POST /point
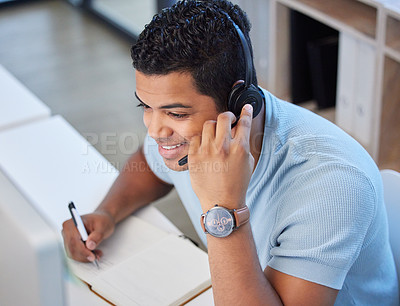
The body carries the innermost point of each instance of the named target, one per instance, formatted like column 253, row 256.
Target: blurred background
column 79, row 65
column 75, row 56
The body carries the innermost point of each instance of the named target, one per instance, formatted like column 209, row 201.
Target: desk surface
column 51, row 164
column 17, row 104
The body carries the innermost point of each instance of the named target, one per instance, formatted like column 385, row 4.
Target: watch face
column 218, row 222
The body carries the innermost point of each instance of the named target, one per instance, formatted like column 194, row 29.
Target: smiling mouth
column 172, row 147
column 171, row 150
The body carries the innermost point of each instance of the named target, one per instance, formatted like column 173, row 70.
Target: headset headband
column 246, row 49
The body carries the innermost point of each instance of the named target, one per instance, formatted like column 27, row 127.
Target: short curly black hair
column 197, row 38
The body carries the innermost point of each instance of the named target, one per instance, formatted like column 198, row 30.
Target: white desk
column 17, row 104
column 51, row 164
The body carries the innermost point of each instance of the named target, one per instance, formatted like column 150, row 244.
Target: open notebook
column 144, row 265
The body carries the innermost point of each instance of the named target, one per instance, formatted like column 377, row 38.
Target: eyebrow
column 167, row 106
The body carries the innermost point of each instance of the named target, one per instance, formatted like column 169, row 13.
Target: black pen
column 81, row 227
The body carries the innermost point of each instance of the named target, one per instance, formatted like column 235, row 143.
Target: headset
column 242, row 92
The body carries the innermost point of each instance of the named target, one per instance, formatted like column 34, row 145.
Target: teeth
column 171, row 147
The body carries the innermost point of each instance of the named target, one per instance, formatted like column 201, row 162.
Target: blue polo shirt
column 316, row 206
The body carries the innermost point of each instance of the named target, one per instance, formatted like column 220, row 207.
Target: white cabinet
column 346, row 81
column 368, row 91
column 356, row 87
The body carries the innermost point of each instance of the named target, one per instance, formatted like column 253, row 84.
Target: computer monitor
column 31, row 254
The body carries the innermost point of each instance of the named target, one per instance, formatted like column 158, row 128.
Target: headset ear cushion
column 241, row 95
column 233, row 97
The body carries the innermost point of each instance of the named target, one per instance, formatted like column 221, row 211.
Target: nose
column 156, row 125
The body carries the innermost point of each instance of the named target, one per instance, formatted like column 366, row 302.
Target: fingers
column 94, row 240
column 223, row 128
column 99, row 225
column 220, row 131
column 205, row 139
column 217, row 132
column 73, row 243
column 216, row 135
column 208, row 133
column 244, row 125
column 195, row 142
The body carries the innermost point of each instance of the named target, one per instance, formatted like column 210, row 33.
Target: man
column 317, row 232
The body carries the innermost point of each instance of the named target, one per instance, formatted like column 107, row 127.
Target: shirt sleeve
column 155, row 161
column 322, row 224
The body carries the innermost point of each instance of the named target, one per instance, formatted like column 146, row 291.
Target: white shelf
column 373, row 24
column 393, row 54
column 342, row 15
column 392, row 41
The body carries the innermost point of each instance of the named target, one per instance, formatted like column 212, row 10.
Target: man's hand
column 99, row 225
column 220, row 162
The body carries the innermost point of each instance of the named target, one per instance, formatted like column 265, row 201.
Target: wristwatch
column 221, row 222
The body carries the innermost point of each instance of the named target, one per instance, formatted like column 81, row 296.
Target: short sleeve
column 322, row 224
column 155, row 161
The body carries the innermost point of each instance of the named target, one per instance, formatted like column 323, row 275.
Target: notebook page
column 168, row 272
column 130, row 237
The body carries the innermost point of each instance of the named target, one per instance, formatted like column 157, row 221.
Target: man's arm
column 135, row 187
column 236, row 274
column 238, row 279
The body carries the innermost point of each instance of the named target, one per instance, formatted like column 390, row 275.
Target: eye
column 177, row 116
column 142, row 105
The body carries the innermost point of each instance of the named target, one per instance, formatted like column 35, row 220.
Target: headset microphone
column 243, row 92
column 183, row 161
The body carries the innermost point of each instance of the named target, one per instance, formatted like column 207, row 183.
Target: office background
column 77, row 61
column 81, row 68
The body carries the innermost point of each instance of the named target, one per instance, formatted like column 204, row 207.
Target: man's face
column 174, row 112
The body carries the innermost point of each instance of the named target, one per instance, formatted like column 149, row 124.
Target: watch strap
column 202, row 222
column 242, row 216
